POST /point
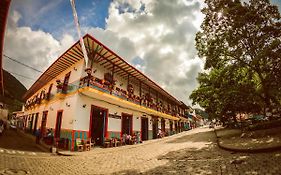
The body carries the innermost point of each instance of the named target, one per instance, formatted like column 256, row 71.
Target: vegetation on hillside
column 14, row 91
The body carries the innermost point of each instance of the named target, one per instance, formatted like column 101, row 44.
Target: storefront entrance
column 171, row 127
column 31, row 123
column 144, row 128
column 155, row 128
column 98, row 124
column 127, row 124
column 58, row 124
column 44, row 123
column 163, row 125
column 35, row 124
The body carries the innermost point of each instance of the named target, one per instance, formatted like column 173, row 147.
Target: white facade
column 82, row 102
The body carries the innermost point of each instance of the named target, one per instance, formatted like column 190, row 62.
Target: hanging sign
column 114, row 116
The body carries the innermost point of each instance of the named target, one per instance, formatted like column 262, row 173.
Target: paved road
column 12, row 139
column 191, row 152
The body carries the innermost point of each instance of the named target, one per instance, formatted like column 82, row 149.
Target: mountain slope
column 14, row 91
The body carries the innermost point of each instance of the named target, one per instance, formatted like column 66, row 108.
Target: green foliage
column 14, row 91
column 241, row 43
column 201, row 113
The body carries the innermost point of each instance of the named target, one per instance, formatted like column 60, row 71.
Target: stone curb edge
column 243, row 150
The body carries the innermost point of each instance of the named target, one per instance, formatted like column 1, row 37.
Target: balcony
column 104, row 90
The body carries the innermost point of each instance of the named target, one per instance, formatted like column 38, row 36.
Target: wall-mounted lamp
column 137, row 117
column 84, row 105
column 58, row 81
column 74, row 68
column 115, row 113
column 67, row 104
column 51, row 108
column 88, row 71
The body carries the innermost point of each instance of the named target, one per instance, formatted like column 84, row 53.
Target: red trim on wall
column 106, row 124
column 73, row 141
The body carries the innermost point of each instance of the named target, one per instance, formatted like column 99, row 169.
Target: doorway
column 163, row 125
column 44, row 123
column 176, row 126
column 31, row 123
column 127, row 124
column 35, row 123
column 144, row 128
column 65, row 83
column 171, row 127
column 58, row 124
column 155, row 128
column 98, row 124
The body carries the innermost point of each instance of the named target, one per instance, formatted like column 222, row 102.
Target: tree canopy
column 241, row 43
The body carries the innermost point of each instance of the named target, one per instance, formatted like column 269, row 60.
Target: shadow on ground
column 213, row 160
column 12, row 139
column 197, row 137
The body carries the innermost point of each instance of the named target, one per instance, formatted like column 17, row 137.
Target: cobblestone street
column 191, row 152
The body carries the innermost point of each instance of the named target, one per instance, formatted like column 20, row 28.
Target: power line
column 21, row 75
column 23, row 64
column 32, row 68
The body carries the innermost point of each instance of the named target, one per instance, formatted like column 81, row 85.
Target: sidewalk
column 97, row 150
column 250, row 141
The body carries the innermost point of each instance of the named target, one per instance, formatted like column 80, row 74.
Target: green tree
column 241, row 43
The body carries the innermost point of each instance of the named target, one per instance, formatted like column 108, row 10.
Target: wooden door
column 44, row 123
column 58, row 124
column 144, row 128
column 127, row 125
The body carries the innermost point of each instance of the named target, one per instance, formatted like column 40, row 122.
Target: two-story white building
column 107, row 100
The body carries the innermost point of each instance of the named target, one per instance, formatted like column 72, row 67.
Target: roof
column 104, row 57
column 184, row 106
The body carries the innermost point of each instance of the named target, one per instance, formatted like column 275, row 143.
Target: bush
column 265, row 125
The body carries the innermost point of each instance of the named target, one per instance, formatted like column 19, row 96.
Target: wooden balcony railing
column 109, row 88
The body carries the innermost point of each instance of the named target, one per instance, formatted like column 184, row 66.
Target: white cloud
column 162, row 34
column 35, row 48
column 157, row 36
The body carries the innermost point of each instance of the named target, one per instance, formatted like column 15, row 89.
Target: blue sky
column 156, row 36
column 53, row 17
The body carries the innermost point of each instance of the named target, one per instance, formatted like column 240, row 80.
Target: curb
column 246, row 150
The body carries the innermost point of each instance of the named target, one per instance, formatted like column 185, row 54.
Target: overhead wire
column 32, row 68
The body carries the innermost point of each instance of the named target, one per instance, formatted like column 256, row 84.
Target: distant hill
column 14, row 91
column 201, row 112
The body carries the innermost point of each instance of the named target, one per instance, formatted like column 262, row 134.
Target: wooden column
column 112, row 74
column 140, row 92
column 127, row 86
